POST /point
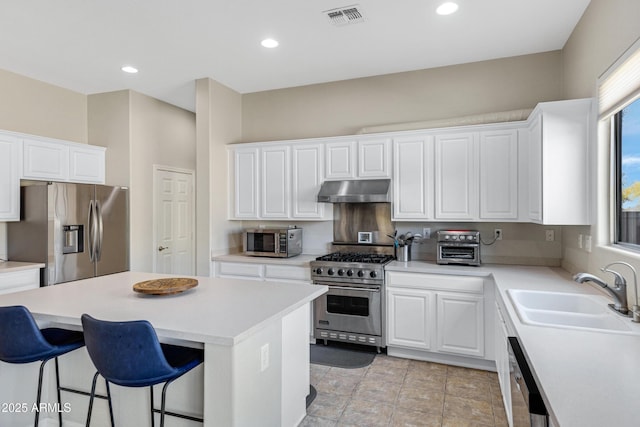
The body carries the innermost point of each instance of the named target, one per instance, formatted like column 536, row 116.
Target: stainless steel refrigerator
column 77, row 230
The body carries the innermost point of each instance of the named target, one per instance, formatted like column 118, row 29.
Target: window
column 627, row 174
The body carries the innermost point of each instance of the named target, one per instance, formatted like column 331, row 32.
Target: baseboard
column 446, row 359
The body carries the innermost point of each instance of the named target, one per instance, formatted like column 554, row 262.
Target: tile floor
column 401, row 392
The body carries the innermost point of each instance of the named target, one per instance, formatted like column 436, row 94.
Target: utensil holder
column 404, row 253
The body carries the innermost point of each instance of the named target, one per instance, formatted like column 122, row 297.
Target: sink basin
column 567, row 310
column 558, row 301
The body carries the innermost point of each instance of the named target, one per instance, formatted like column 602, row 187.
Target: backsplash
column 523, row 244
column 3, row 240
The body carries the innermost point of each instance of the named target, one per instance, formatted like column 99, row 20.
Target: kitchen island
column 254, row 335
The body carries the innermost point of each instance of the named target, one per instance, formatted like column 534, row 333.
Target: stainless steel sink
column 567, row 310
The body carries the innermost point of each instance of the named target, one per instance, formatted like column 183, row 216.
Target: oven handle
column 350, row 288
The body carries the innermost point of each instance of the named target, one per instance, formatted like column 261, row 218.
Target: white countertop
column 588, row 378
column 10, row 266
column 218, row 311
column 301, row 260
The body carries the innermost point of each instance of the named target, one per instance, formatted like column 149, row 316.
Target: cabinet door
column 9, row 178
column 410, row 318
column 460, row 324
column 238, row 270
column 413, row 177
column 45, row 160
column 86, row 164
column 535, row 169
column 275, row 182
column 306, row 180
column 246, row 182
column 502, row 361
column 374, row 158
column 456, row 178
column 499, row 174
column 340, row 160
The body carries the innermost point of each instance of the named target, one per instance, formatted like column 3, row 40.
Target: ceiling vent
column 344, row 15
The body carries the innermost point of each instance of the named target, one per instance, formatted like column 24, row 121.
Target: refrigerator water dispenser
column 73, row 239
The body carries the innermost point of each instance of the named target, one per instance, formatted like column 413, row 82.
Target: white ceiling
column 81, row 44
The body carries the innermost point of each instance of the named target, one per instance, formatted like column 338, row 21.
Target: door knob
column 162, row 248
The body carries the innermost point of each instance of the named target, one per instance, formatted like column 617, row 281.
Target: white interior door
column 174, row 221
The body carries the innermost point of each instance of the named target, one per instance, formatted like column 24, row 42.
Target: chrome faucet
column 618, row 291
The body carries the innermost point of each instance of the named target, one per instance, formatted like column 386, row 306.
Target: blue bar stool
column 21, row 341
column 129, row 354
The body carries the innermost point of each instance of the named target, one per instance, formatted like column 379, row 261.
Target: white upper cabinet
column 456, row 183
column 54, row 160
column 245, row 167
column 559, row 140
column 9, row 178
column 365, row 158
column 413, row 177
column 275, row 182
column 306, row 173
column 374, row 158
column 499, row 174
column 45, row 160
column 87, row 164
column 340, row 160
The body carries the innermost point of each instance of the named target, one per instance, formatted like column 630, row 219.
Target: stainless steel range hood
column 355, row 191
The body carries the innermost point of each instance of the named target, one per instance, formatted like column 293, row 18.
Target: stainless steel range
column 352, row 310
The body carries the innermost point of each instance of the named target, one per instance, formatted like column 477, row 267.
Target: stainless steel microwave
column 280, row 243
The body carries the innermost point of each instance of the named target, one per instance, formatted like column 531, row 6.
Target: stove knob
column 331, row 272
column 318, row 270
column 349, row 272
column 454, row 237
column 373, row 274
column 341, row 272
column 360, row 273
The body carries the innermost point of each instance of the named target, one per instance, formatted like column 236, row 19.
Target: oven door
column 350, row 309
column 458, row 253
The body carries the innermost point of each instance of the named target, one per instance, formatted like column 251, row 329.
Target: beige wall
column 109, row 126
column 219, row 122
column 140, row 132
column 607, row 29
column 38, row 108
column 31, row 106
column 342, row 108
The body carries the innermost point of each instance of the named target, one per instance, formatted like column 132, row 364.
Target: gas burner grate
column 365, row 258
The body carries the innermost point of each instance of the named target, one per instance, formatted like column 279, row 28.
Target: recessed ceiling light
column 129, row 69
column 447, row 8
column 269, row 43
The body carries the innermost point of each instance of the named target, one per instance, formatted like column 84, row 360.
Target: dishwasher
column 528, row 409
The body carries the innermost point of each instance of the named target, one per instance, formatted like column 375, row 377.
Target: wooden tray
column 167, row 286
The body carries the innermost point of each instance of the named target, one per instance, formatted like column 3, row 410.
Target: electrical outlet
column 264, row 357
column 426, row 233
column 497, row 233
column 550, row 235
column 587, row 243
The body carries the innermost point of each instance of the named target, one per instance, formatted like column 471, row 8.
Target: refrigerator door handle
column 100, row 233
column 92, row 235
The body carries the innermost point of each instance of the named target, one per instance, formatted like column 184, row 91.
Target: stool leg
column 37, row 420
column 153, row 421
column 164, row 395
column 58, row 391
column 93, row 393
column 113, row 424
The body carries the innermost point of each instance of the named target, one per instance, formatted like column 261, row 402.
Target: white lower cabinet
column 22, row 280
column 460, row 324
column 411, row 318
column 502, row 361
column 436, row 313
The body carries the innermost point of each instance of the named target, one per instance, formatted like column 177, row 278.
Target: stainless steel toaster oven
column 458, row 247
column 279, row 243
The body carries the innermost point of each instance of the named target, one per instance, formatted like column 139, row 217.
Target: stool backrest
column 20, row 338
column 124, row 353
